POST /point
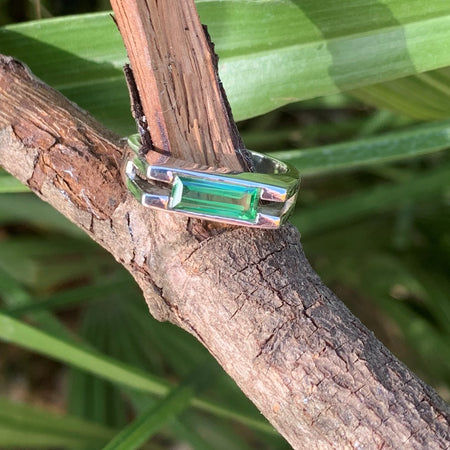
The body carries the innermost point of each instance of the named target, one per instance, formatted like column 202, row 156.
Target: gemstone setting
column 260, row 198
column 214, row 198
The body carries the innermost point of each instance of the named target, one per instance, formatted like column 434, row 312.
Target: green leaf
column 27, row 426
column 16, row 332
column 145, row 426
column 272, row 53
column 425, row 96
column 389, row 147
column 332, row 213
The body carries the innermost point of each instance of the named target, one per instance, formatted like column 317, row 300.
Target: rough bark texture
column 249, row 296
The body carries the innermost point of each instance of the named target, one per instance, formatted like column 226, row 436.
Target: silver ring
column 262, row 199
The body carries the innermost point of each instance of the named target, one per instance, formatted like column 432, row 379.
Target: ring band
column 262, row 199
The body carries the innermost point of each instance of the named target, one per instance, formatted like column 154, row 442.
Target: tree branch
column 248, row 295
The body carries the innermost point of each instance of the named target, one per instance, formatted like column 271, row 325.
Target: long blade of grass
column 15, row 296
column 25, row 426
column 272, row 53
column 16, row 332
column 414, row 141
column 28, row 337
column 148, row 423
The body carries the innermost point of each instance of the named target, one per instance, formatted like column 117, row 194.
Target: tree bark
column 250, row 296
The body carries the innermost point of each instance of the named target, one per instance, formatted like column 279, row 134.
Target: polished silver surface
column 277, row 183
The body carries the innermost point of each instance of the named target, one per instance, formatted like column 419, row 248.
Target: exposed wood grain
column 175, row 72
column 249, row 296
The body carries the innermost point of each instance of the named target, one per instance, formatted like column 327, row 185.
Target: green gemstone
column 214, row 198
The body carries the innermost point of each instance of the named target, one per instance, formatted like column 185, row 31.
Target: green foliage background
column 355, row 93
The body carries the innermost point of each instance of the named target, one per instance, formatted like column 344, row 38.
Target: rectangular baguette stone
column 215, row 198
